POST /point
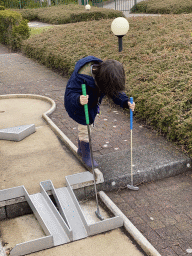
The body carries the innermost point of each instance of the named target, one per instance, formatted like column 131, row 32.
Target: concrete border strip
column 55, row 129
column 2, row 251
column 132, row 230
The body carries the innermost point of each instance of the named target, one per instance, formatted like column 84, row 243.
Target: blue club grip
column 85, row 106
column 131, row 113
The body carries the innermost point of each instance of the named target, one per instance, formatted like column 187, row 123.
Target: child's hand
column 131, row 106
column 84, row 99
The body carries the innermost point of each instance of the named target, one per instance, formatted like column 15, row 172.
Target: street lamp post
column 87, row 6
column 120, row 42
column 120, row 27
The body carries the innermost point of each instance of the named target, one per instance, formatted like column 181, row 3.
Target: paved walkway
column 161, row 210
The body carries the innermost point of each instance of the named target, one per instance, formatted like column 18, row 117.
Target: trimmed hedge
column 29, row 4
column 13, row 29
column 71, row 13
column 163, row 7
column 157, row 60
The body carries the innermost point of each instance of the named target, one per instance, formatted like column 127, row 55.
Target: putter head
column 99, row 215
column 132, row 187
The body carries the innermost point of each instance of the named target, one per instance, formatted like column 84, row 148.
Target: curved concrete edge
column 55, row 129
column 132, row 230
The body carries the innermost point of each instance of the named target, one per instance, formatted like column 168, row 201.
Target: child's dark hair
column 109, row 77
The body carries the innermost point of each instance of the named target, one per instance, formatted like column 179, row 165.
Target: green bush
column 33, row 4
column 19, row 33
column 11, row 3
column 30, row 4
column 20, row 4
column 71, row 13
column 2, row 7
column 163, row 6
column 30, row 14
column 141, row 7
column 157, row 60
column 13, row 29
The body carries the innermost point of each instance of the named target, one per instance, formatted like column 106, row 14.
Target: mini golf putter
column 132, row 187
column 97, row 212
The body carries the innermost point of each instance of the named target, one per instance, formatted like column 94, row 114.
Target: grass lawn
column 157, row 57
column 38, row 30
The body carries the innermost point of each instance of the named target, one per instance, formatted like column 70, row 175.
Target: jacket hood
column 84, row 61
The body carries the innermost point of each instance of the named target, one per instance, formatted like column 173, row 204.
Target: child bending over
column 102, row 78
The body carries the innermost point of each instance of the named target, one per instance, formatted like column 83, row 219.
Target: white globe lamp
column 120, row 27
column 87, row 7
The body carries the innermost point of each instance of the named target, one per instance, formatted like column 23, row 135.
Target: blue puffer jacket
column 73, row 91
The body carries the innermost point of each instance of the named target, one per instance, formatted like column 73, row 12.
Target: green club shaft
column 85, row 106
column 90, row 145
